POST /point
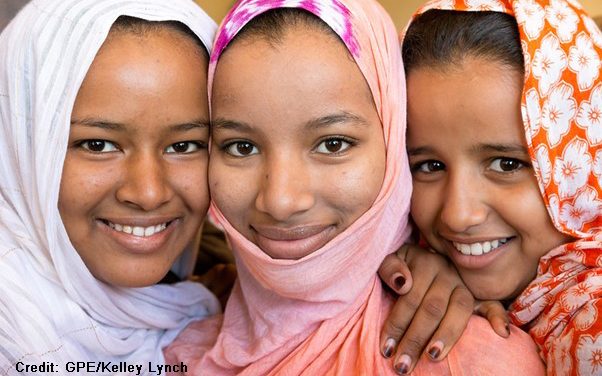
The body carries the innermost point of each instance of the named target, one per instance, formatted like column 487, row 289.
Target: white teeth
column 476, row 249
column 481, row 248
column 138, row 230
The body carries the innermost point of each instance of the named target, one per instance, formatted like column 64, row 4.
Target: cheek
column 423, row 208
column 190, row 179
column 83, row 186
column 232, row 189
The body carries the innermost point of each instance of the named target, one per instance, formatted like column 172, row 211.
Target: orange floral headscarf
column 562, row 115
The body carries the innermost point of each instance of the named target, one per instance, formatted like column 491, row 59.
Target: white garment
column 51, row 307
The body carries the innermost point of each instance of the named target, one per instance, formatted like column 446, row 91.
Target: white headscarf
column 51, row 307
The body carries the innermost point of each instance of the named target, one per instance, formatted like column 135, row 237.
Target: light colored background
column 400, row 10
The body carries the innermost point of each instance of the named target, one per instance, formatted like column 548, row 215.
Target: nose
column 464, row 203
column 145, row 182
column 285, row 188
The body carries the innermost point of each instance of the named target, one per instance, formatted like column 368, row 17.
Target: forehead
column 307, row 68
column 470, row 101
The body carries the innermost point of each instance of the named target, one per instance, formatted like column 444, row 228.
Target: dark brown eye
column 241, row 149
column 98, row 146
column 333, row 146
column 506, row 165
column 183, row 147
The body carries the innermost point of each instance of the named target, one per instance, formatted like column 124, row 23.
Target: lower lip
column 477, row 262
column 140, row 244
column 294, row 249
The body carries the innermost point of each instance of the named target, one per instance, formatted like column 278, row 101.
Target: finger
column 429, row 315
column 402, row 313
column 496, row 314
column 451, row 327
column 396, row 274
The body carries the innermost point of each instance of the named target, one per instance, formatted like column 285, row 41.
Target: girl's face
column 476, row 198
column 134, row 188
column 297, row 145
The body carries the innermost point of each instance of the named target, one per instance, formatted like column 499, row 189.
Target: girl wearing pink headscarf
column 504, row 142
column 310, row 180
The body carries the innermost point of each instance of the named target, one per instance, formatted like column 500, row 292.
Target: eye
column 333, row 146
column 184, row 147
column 98, row 146
column 428, row 167
column 241, row 149
column 506, row 165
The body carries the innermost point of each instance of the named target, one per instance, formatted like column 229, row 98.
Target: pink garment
column 322, row 314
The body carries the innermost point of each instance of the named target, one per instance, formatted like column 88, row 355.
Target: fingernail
column 435, row 350
column 403, row 364
column 389, row 346
column 398, row 282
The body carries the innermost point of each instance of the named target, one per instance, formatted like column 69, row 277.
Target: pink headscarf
column 322, row 314
column 562, row 115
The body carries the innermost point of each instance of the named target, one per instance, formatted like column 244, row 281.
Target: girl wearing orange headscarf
column 504, row 134
column 309, row 178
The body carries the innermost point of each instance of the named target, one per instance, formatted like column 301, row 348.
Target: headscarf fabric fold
column 322, row 314
column 51, row 307
column 562, row 116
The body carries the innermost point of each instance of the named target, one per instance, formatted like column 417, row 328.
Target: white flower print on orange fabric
column 583, row 210
column 576, row 296
column 589, row 116
column 543, row 168
column 593, row 30
column 586, row 317
column 485, row 5
column 589, row 355
column 558, row 111
column 563, row 18
column 554, row 208
column 527, row 58
column 533, row 112
column 438, row 4
column 572, row 169
column 531, row 16
column 598, row 166
column 584, row 61
column 562, row 362
column 549, row 62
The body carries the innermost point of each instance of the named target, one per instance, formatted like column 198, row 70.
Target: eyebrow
column 317, row 123
column 119, row 127
column 479, row 148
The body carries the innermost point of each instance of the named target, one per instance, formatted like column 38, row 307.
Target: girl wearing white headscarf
column 52, row 309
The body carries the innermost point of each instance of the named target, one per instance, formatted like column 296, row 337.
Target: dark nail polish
column 399, row 282
column 403, row 365
column 402, row 368
column 388, row 349
column 507, row 328
column 434, row 352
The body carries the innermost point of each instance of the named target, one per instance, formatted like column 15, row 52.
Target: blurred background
column 400, row 10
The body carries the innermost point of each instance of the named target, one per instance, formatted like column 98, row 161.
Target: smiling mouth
column 139, row 231
column 480, row 248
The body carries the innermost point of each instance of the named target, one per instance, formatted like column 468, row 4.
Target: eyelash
column 416, row 167
column 347, row 140
column 85, row 144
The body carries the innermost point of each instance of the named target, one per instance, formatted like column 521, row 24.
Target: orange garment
column 562, row 113
column 322, row 314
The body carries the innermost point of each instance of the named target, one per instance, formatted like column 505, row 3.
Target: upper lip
column 291, row 233
column 139, row 221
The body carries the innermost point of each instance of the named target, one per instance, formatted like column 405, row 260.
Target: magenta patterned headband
column 333, row 12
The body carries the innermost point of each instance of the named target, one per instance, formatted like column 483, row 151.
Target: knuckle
column 412, row 302
column 394, row 329
column 413, row 345
column 435, row 307
column 463, row 298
